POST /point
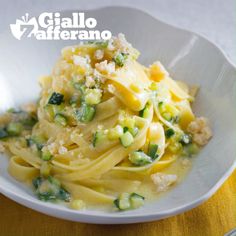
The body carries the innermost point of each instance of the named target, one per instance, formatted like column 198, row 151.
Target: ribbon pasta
column 105, row 124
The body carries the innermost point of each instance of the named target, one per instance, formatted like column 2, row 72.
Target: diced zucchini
column 46, row 156
column 46, row 196
column 14, row 128
column 93, row 96
column 60, row 119
column 136, row 200
column 125, row 129
column 115, row 132
column 145, row 111
column 85, row 113
column 52, row 110
column 98, row 138
column 122, row 203
column 152, row 150
column 39, row 141
column 47, row 191
column 126, row 139
column 54, row 181
column 37, row 182
column 45, row 187
column 116, row 203
column 185, row 139
column 139, row 158
column 50, row 189
column 56, row 98
column 120, row 59
column 169, row 133
column 162, row 107
column 191, row 149
column 3, row 133
column 134, row 131
column 63, row 195
column 127, row 201
column 60, row 192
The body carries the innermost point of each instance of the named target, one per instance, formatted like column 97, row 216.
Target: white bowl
column 187, row 57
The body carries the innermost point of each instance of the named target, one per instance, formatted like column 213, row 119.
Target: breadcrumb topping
column 80, row 61
column 52, row 148
column 200, row 130
column 105, row 68
column 111, row 88
column 62, row 150
column 163, row 181
column 120, row 44
column 99, row 54
column 90, row 82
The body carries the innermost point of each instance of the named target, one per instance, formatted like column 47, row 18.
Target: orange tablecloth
column 213, row 218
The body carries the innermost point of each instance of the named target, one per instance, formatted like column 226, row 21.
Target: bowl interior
column 186, row 56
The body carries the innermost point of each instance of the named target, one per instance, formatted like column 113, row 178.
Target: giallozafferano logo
column 51, row 26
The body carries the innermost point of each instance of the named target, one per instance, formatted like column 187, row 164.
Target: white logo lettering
column 51, row 26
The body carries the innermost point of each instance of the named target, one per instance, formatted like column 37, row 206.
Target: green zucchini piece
column 37, row 182
column 14, row 128
column 169, row 133
column 134, row 131
column 136, row 200
column 120, row 59
column 145, row 111
column 126, row 139
column 139, row 158
column 39, row 141
column 152, row 151
column 56, row 98
column 46, row 156
column 60, row 119
column 85, row 113
column 98, row 138
column 50, row 189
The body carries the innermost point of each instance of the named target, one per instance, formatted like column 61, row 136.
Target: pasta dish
column 105, row 129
